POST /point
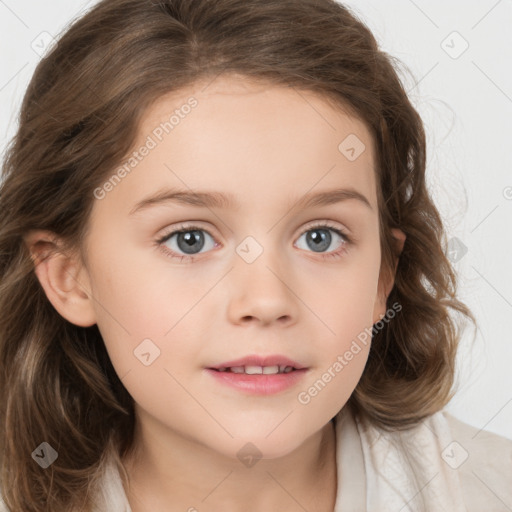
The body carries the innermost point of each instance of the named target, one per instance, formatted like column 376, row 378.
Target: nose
column 261, row 292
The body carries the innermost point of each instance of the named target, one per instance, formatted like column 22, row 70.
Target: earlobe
column 399, row 237
column 63, row 278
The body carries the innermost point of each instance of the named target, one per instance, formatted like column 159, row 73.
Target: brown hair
column 79, row 119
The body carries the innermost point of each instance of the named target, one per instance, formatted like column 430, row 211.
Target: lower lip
column 259, row 384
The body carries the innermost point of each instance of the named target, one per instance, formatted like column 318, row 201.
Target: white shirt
column 442, row 464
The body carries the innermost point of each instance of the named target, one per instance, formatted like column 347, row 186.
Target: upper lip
column 256, row 360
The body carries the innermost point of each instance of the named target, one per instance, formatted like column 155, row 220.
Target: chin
column 275, row 446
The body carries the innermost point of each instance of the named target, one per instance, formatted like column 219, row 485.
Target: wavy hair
column 78, row 120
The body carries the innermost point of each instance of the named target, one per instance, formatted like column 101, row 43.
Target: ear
column 387, row 279
column 63, row 278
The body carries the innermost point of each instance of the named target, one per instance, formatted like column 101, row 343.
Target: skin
column 268, row 146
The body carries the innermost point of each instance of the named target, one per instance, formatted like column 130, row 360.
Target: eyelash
column 347, row 241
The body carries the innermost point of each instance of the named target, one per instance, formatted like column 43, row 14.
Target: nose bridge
column 260, row 284
column 259, row 259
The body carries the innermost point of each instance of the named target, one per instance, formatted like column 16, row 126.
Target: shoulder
column 480, row 461
column 483, row 461
column 440, row 460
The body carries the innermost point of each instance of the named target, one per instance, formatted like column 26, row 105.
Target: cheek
column 343, row 299
column 342, row 356
column 343, row 296
column 144, row 316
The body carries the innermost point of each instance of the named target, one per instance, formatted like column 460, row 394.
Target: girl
column 301, row 357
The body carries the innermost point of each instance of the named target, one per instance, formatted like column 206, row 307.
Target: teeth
column 258, row 370
column 253, row 370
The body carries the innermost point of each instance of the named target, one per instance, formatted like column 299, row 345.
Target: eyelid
column 191, row 225
column 184, row 226
column 328, row 224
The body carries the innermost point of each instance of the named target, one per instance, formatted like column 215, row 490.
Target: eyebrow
column 214, row 199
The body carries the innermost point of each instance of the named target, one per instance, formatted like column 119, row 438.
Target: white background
column 466, row 104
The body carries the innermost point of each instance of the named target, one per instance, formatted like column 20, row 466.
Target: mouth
column 257, row 370
column 259, row 375
column 256, row 364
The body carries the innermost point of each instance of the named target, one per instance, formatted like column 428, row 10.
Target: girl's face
column 259, row 272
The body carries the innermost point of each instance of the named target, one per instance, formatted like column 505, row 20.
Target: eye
column 319, row 238
column 189, row 240
column 186, row 242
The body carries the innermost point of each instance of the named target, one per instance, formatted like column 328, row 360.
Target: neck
column 191, row 476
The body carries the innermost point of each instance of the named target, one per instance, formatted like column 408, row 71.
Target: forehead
column 251, row 137
column 260, row 107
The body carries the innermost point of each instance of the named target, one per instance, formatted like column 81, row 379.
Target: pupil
column 187, row 239
column 321, row 239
